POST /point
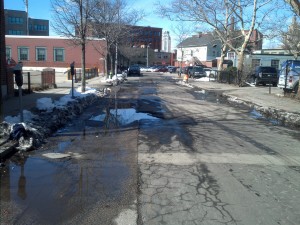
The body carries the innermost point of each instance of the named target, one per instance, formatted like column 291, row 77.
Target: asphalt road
column 192, row 160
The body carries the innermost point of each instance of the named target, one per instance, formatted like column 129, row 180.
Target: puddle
column 208, row 96
column 124, row 116
column 54, row 190
column 257, row 115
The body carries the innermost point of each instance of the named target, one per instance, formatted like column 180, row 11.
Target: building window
column 15, row 32
column 59, row 54
column 15, row 20
column 40, row 27
column 231, row 55
column 275, row 64
column 255, row 63
column 41, row 54
column 8, row 52
column 23, row 53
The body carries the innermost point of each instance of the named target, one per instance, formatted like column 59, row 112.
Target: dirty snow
column 125, row 116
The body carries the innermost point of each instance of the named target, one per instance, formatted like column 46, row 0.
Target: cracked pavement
column 210, row 163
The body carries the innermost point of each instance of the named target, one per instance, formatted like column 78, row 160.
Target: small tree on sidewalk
column 70, row 19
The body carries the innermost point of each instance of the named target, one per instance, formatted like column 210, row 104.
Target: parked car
column 289, row 75
column 265, row 75
column 197, row 72
column 172, row 69
column 143, row 69
column 188, row 70
column 163, row 69
column 134, row 70
column 212, row 73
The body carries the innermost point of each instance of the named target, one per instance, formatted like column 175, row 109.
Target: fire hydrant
column 186, row 78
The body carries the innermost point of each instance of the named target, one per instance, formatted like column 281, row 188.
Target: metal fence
column 230, row 77
column 33, row 80
column 89, row 73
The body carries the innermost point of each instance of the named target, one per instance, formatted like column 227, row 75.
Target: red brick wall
column 72, row 53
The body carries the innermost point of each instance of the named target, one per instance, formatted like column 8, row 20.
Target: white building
column 264, row 57
column 166, row 42
column 198, row 49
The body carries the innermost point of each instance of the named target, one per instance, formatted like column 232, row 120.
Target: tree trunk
column 223, row 54
column 83, row 67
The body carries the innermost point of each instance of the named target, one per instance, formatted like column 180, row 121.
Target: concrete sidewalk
column 257, row 95
column 11, row 106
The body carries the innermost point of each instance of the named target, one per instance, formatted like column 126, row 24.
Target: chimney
column 232, row 24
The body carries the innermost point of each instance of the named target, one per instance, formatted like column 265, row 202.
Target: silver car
column 289, row 82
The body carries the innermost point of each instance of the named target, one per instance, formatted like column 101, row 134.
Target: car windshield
column 268, row 70
column 198, row 69
column 295, row 66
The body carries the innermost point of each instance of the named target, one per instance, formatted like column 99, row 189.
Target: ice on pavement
column 125, row 116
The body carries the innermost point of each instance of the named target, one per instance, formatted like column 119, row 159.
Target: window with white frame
column 8, row 52
column 231, row 55
column 40, row 54
column 255, row 63
column 23, row 53
column 59, row 54
column 275, row 63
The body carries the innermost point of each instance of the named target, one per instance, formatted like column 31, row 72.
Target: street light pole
column 148, row 54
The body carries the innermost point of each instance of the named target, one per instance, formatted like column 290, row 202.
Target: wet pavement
column 82, row 173
column 158, row 152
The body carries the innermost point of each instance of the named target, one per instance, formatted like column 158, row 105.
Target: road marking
column 219, row 158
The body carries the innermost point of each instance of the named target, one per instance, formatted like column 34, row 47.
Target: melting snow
column 125, row 116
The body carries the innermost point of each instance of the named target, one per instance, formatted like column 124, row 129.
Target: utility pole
column 2, row 55
column 27, row 21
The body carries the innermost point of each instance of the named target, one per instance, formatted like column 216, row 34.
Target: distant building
column 143, row 36
column 40, row 52
column 166, row 42
column 16, row 24
column 200, row 49
column 263, row 57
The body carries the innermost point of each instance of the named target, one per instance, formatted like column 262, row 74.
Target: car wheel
column 296, row 88
column 274, row 84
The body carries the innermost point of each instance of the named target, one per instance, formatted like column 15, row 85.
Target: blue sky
column 41, row 9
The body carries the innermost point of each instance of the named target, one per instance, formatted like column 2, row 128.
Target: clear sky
column 41, row 9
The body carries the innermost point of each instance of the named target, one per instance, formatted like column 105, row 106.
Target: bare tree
column 181, row 31
column 207, row 14
column 217, row 14
column 70, row 19
column 112, row 20
column 291, row 38
column 295, row 4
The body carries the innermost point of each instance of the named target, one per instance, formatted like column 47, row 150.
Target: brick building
column 143, row 36
column 39, row 52
column 16, row 24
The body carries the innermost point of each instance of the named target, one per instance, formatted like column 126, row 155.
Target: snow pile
column 51, row 116
column 205, row 79
column 45, row 104
column 124, row 116
column 184, row 84
column 28, row 116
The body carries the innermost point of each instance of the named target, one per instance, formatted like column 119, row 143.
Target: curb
column 284, row 118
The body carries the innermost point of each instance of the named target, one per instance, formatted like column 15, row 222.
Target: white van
column 289, row 76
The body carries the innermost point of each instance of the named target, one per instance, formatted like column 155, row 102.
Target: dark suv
column 134, row 70
column 197, row 71
column 265, row 75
